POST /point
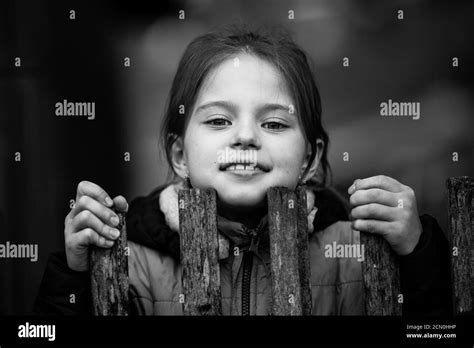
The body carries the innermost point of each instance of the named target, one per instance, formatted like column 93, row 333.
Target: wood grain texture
column 381, row 276
column 289, row 251
column 460, row 218
column 199, row 252
column 109, row 276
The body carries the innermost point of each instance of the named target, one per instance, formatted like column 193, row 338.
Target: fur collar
column 152, row 220
column 168, row 203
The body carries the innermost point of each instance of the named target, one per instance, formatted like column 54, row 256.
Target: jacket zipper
column 246, row 278
column 247, row 274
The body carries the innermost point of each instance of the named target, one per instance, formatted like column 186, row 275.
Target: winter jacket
column 336, row 282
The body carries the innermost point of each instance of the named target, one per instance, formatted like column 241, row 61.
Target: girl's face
column 244, row 104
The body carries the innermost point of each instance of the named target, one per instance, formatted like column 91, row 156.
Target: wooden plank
column 109, row 276
column 460, row 217
column 381, row 276
column 289, row 251
column 199, row 249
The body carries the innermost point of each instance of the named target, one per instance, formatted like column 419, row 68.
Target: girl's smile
column 241, row 162
column 243, row 170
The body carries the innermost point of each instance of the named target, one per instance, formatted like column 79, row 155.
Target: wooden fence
column 461, row 220
column 289, row 255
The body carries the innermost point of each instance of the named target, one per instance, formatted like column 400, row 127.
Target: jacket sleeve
column 63, row 291
column 426, row 273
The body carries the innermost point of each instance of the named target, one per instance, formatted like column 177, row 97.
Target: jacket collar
column 168, row 203
column 169, row 206
column 153, row 220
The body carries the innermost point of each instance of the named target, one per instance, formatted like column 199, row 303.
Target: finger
column 380, row 181
column 86, row 219
column 107, row 215
column 374, row 211
column 120, row 203
column 372, row 226
column 88, row 236
column 92, row 190
column 361, row 197
column 68, row 218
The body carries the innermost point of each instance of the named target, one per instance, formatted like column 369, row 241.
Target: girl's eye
column 219, row 122
column 274, row 125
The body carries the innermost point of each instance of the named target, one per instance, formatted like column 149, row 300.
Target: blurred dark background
column 406, row 60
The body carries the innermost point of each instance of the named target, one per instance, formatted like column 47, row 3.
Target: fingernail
column 108, row 201
column 115, row 233
column 114, row 220
column 351, row 189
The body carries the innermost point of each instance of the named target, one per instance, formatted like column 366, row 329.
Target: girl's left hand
column 384, row 206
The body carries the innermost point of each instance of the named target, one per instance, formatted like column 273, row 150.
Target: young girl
column 241, row 90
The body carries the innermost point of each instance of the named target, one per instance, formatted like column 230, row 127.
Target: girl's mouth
column 243, row 169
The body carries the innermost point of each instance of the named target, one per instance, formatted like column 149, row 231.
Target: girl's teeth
column 241, row 167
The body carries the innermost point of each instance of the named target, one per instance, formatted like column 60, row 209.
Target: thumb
column 120, row 203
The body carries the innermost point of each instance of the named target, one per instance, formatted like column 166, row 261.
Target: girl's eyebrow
column 233, row 107
column 219, row 103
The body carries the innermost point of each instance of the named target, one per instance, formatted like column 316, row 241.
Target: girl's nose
column 246, row 135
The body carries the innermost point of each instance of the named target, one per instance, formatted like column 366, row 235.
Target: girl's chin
column 242, row 199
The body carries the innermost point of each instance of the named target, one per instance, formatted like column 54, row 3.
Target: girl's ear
column 178, row 158
column 314, row 166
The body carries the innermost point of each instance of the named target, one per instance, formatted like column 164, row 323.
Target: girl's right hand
column 91, row 221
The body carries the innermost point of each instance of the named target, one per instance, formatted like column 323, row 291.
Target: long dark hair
column 273, row 45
